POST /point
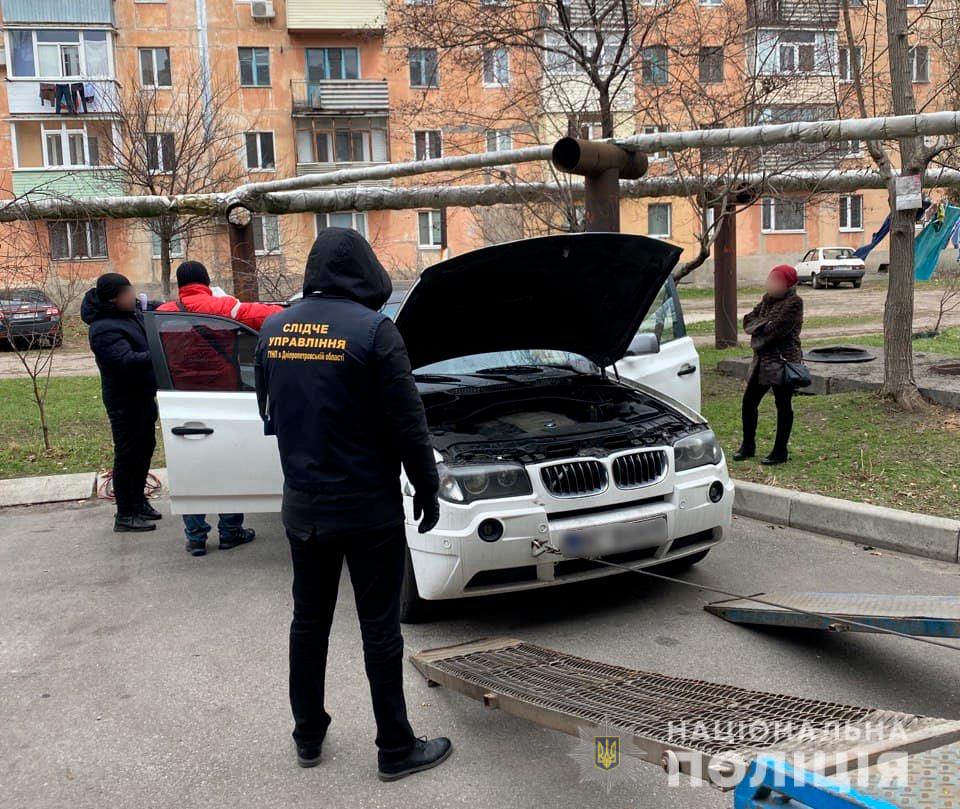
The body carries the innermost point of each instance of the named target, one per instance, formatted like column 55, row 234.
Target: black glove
column 427, row 506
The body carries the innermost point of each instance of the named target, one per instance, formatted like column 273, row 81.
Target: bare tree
column 187, row 140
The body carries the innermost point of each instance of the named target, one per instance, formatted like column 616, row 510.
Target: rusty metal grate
column 663, row 713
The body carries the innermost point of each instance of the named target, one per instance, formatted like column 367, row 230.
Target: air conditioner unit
column 262, row 10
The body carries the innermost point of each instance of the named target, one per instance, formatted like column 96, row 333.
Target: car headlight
column 696, row 450
column 464, row 484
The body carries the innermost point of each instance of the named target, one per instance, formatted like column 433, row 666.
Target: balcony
column 66, row 183
column 79, row 12
column 334, row 15
column 339, row 97
column 323, row 168
column 793, row 13
column 23, row 97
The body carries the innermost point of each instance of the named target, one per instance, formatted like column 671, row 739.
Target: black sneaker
column 124, row 524
column 426, row 754
column 197, row 547
column 308, row 755
column 148, row 512
column 239, row 537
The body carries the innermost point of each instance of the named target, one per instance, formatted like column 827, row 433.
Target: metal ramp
column 929, row 616
column 691, row 726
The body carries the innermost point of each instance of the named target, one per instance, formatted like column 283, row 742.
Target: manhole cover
column 839, row 354
column 946, row 368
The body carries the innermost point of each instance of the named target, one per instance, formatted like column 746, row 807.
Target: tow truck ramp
column 928, row 616
column 686, row 725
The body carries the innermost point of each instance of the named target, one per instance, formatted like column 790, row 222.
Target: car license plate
column 25, row 316
column 614, row 538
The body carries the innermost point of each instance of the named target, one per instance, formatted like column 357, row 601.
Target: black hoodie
column 119, row 343
column 334, row 385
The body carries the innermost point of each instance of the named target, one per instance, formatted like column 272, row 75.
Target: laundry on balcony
column 48, row 92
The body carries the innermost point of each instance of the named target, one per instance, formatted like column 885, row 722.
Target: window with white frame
column 71, row 146
column 260, row 153
column 711, row 2
column 427, row 143
column 355, row 220
column 919, row 56
column 342, row 140
column 78, row 240
column 782, row 215
column 266, row 234
column 659, row 219
column 651, row 129
column 424, row 70
column 161, row 152
column 845, row 66
column 499, row 140
column 584, row 126
column 851, row 213
column 789, row 51
column 430, row 226
column 496, row 67
column 51, row 53
column 849, row 148
column 176, row 245
column 155, row 67
column 254, row 67
column 917, row 3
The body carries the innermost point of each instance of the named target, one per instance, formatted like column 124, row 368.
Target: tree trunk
column 41, row 408
column 898, row 382
column 165, row 264
column 606, row 112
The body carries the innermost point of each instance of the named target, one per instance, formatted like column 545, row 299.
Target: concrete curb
column 35, row 491
column 880, row 527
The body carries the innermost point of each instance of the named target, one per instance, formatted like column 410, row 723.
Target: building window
column 69, row 146
column 585, row 127
column 333, row 63
column 355, row 220
column 254, row 67
column 711, row 2
column 849, row 148
column 342, row 140
column 711, row 64
column 919, row 56
column 851, row 213
column 176, row 245
column 496, row 67
column 654, row 64
column 844, row 65
column 423, row 67
column 60, row 54
column 650, row 129
column 260, row 154
column 430, row 229
column 266, row 234
column 659, row 216
column 78, row 240
column 427, row 143
column 161, row 152
column 155, row 67
column 499, row 140
column 782, row 215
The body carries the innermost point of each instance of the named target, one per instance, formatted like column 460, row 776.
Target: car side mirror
column 643, row 344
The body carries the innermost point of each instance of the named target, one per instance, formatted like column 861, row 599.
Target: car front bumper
column 453, row 562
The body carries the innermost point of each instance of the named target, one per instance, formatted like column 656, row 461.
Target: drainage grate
column 574, row 478
column 639, row 469
column 724, row 724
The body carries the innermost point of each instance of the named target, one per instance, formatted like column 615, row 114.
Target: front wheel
column 856, row 284
column 413, row 609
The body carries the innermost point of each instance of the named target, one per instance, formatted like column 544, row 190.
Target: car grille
column 575, row 478
column 639, row 469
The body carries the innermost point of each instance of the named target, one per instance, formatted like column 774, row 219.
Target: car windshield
column 10, row 296
column 834, row 253
column 526, row 361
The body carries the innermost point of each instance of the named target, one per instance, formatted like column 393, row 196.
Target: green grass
column 852, row 445
column 79, row 430
column 689, row 293
column 812, row 322
column 947, row 342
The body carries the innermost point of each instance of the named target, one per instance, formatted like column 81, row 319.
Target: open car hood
column 586, row 293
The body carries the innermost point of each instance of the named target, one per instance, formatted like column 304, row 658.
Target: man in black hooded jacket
column 119, row 344
column 334, row 385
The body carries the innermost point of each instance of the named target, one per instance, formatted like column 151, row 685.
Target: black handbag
column 795, row 375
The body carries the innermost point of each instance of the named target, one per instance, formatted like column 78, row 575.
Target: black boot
column 425, row 755
column 308, row 755
column 148, row 512
column 746, row 451
column 124, row 523
column 240, row 536
column 777, row 456
column 197, row 547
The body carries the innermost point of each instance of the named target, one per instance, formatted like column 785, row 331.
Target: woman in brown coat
column 774, row 328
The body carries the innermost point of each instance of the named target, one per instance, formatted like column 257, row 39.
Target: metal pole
column 725, row 277
column 243, row 255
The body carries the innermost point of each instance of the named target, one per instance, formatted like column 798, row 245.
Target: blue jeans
column 196, row 527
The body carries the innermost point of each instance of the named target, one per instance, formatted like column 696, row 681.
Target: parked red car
column 28, row 316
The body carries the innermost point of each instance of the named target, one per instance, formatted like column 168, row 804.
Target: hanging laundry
column 931, row 241
column 48, row 92
column 64, row 99
column 878, row 237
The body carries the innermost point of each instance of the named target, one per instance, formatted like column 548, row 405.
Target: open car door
column 218, row 459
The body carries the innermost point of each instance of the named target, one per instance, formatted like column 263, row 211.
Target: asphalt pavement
column 132, row 675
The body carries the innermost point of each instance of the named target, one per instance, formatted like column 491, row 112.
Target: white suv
column 549, row 457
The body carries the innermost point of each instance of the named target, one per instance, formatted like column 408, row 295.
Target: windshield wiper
column 509, row 369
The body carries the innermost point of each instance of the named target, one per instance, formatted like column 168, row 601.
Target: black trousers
column 375, row 560
column 134, row 440
column 783, row 397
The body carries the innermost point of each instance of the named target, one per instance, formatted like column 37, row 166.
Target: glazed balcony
column 72, row 12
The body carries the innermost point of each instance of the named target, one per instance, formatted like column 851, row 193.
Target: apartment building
column 318, row 85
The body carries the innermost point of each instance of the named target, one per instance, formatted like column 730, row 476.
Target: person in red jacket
column 206, row 366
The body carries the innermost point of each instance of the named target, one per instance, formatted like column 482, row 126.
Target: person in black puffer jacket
column 774, row 327
column 119, row 343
